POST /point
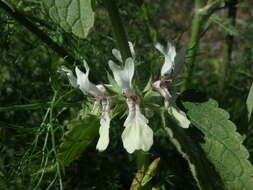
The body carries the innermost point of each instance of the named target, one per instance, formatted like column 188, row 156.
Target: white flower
column 100, row 94
column 180, row 117
column 137, row 135
column 103, row 140
column 123, row 75
column 116, row 53
column 169, row 53
column 172, row 66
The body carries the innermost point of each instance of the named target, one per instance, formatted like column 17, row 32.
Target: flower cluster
column 137, row 134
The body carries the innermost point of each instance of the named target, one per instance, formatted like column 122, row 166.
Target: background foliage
column 31, row 133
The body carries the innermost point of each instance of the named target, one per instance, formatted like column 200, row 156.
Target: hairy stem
column 21, row 18
column 118, row 28
column 195, row 37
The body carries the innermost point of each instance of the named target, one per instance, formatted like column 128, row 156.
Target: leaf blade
column 223, row 145
column 74, row 16
column 81, row 133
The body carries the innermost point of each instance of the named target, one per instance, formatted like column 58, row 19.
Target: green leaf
column 223, row 145
column 80, row 134
column 201, row 169
column 74, row 16
column 113, row 85
column 151, row 171
column 249, row 102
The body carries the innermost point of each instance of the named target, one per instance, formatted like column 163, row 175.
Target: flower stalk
column 118, row 28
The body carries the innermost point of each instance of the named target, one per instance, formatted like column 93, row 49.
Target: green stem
column 229, row 39
column 19, row 17
column 152, row 34
column 118, row 28
column 195, row 38
column 36, row 106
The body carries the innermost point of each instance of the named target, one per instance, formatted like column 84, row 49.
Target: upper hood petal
column 116, row 53
column 85, row 85
column 123, row 76
column 169, row 54
column 71, row 77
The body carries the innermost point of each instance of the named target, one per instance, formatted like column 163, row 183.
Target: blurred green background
column 29, row 75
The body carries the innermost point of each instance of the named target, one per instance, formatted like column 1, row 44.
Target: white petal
column 116, row 53
column 137, row 135
column 160, row 48
column 123, row 76
column 71, row 77
column 129, row 69
column 131, row 47
column 85, row 85
column 169, row 54
column 86, row 66
column 101, row 88
column 171, row 50
column 129, row 118
column 180, row 116
column 103, row 140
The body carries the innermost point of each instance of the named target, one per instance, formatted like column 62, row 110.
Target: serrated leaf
column 201, row 169
column 78, row 137
column 74, row 16
column 223, row 145
column 249, row 102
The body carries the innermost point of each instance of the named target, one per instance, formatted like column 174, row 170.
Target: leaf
column 74, row 16
column 113, row 85
column 201, row 169
column 78, row 137
column 249, row 102
column 223, row 145
column 149, row 85
column 151, row 171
